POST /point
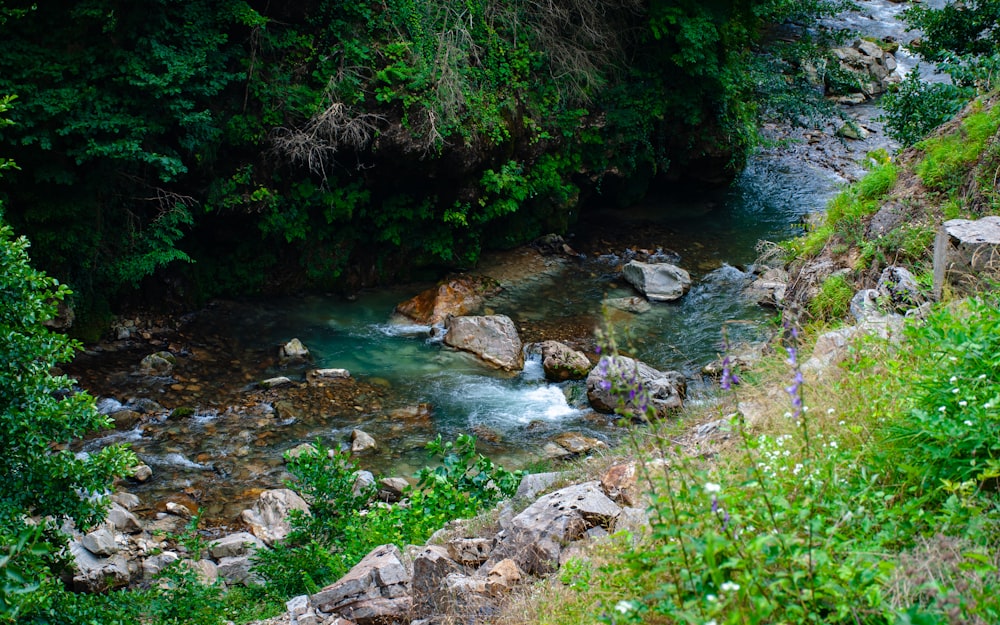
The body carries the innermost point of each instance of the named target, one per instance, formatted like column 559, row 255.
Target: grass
column 838, row 499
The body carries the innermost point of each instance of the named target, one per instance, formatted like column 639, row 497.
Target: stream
column 215, row 437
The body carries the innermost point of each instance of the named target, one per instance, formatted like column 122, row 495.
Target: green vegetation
column 344, row 524
column 833, row 300
column 200, row 148
column 962, row 40
column 865, row 496
column 948, row 158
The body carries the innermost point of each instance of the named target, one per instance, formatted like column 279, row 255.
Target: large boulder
column 659, row 282
column 293, row 351
column 493, row 338
column 535, row 538
column 456, row 297
column 93, row 573
column 966, row 252
column 635, row 386
column 562, row 362
column 269, row 517
column 375, row 591
column 768, row 288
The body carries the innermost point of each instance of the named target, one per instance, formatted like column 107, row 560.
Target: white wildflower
column 712, row 487
column 729, row 587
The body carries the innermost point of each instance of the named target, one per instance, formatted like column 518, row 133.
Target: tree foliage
column 352, row 142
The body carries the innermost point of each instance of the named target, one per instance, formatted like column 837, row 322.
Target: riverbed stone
column 268, row 518
column 635, row 305
column 125, row 419
column 561, row 362
column 293, row 351
column 158, row 364
column 141, row 473
column 123, row 520
column 318, row 377
column 659, row 282
column 615, row 376
column 768, row 289
column 96, row 574
column 455, row 297
column 493, row 338
column 375, row 591
column 873, row 67
column 966, row 253
column 576, row 443
column 392, row 489
column 275, row 382
column 361, row 442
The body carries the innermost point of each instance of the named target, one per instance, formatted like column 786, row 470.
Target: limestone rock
column 302, row 449
column 125, row 419
column 158, row 364
column 375, row 591
column 317, row 377
column 237, row 570
column 561, row 362
column 361, row 442
column 153, row 565
column 268, row 518
column 768, row 289
column 470, row 551
column 659, row 282
column 534, row 483
column 123, row 520
column 96, row 574
column 141, row 473
column 235, row 545
column 618, row 375
column 873, row 67
column 293, row 351
column 966, row 252
column 430, row 567
column 275, row 382
column 454, row 298
column 536, row 536
column 206, row 570
column 100, row 542
column 493, row 338
column 126, row 500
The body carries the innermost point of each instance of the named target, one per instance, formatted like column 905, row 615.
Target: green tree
column 40, row 415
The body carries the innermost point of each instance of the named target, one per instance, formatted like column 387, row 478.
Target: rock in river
column 492, row 337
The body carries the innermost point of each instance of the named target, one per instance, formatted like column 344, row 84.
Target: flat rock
column 966, row 252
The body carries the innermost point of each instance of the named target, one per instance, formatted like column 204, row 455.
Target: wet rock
column 659, row 282
column 561, row 362
column 125, row 419
column 275, row 382
column 141, row 473
column 966, row 253
column 293, row 351
column 536, row 536
column 158, row 364
column 375, row 591
column 493, row 338
column 145, row 405
column 317, row 377
column 100, row 542
column 286, row 410
column 456, row 297
column 576, row 443
column 420, row 413
column 361, row 442
column 615, row 376
column 634, row 305
column 235, row 545
column 268, row 518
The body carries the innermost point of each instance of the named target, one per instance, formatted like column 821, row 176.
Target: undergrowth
column 865, row 495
